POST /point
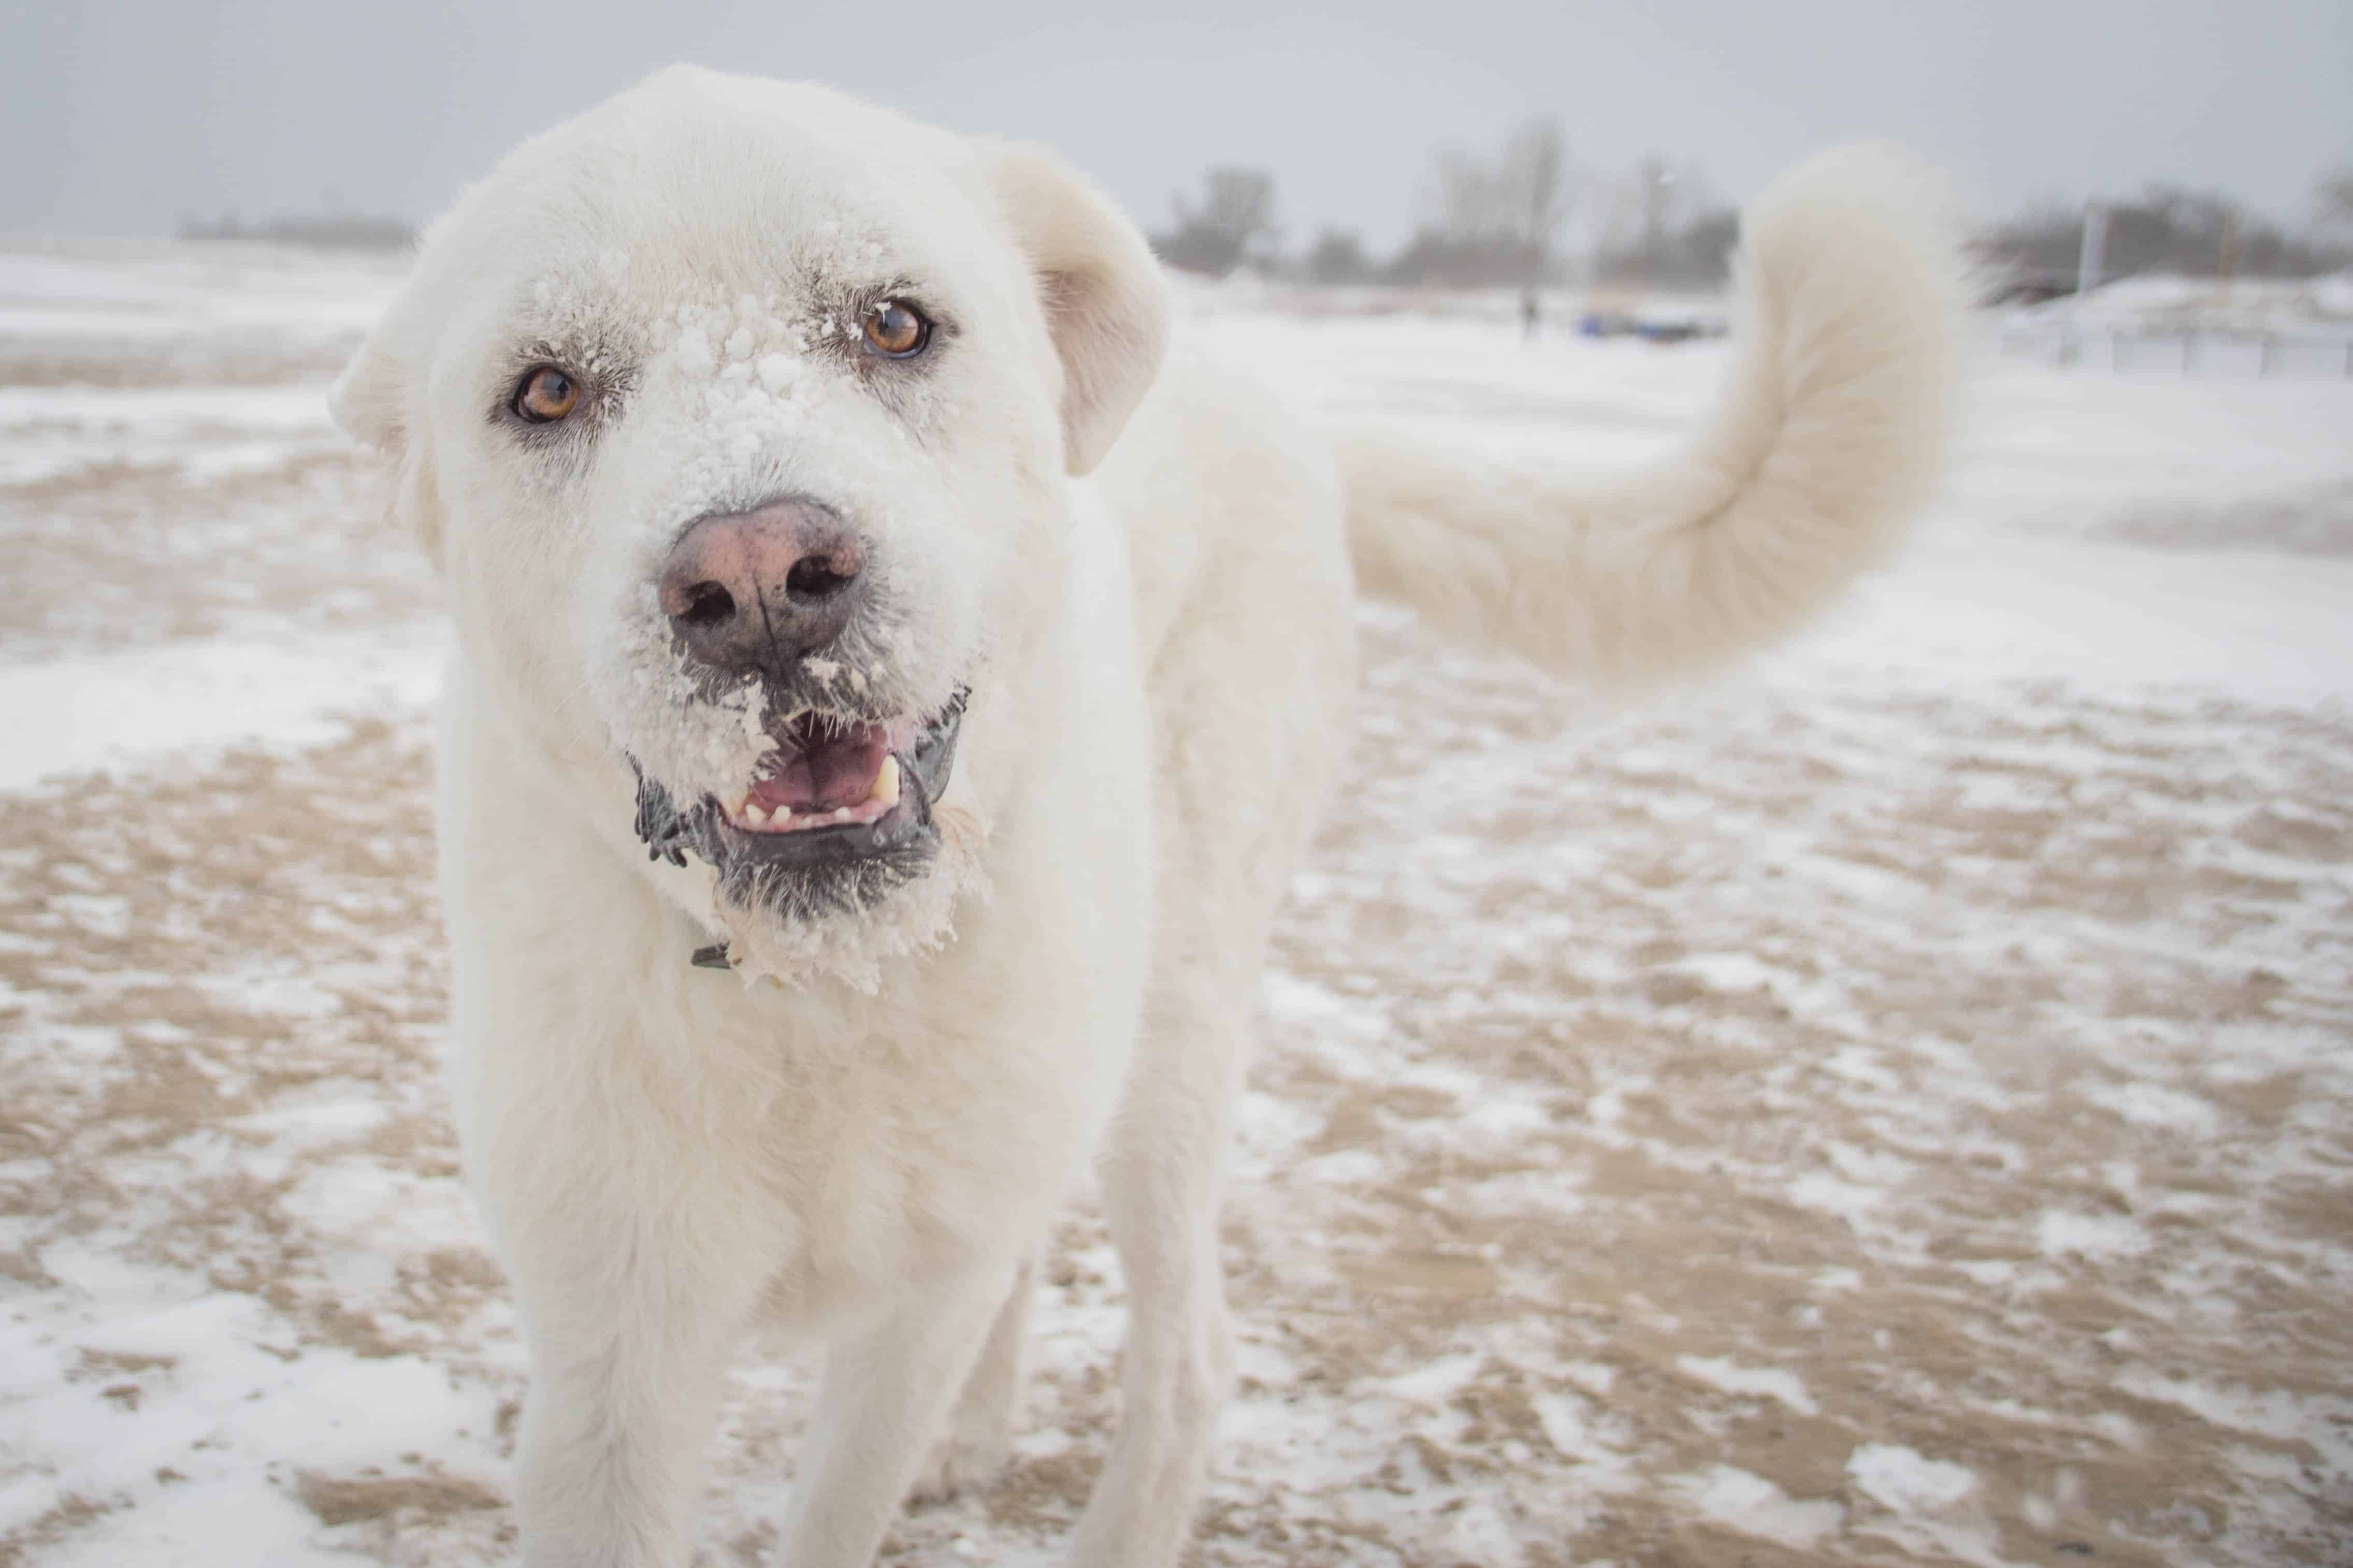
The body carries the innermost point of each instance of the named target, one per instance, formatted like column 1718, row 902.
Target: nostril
column 707, row 605
column 815, row 578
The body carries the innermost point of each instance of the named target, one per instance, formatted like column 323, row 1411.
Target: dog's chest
column 891, row 1157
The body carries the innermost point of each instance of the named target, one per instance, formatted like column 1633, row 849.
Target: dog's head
column 737, row 415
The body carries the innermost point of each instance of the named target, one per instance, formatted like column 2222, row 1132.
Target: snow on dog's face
column 736, row 415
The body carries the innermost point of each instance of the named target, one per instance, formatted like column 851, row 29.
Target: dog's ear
column 371, row 400
column 1105, row 299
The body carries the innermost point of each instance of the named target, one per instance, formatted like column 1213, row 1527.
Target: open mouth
column 830, row 791
column 822, row 774
column 833, row 788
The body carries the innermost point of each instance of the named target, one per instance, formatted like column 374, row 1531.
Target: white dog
column 853, row 592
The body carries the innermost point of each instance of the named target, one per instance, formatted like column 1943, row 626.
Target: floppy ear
column 1105, row 299
column 370, row 401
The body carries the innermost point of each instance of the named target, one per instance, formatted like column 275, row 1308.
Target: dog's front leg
column 889, row 1384
column 631, row 1317
column 1160, row 1170
column 979, row 1436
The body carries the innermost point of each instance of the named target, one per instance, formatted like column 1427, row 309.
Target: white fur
column 1827, row 433
column 862, row 1142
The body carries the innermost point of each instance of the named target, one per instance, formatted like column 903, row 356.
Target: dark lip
column 702, row 829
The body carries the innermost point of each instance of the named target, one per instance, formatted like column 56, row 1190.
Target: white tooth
column 886, row 784
column 843, row 813
column 755, row 816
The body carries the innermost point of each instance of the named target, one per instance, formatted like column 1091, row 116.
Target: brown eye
column 896, row 329
column 545, row 396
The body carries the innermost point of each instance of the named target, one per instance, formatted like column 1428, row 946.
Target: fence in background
column 2190, row 350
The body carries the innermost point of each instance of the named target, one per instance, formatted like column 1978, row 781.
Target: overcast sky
column 120, row 116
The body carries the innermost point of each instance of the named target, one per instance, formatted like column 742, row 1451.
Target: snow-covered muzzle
column 807, row 768
column 836, row 814
column 734, row 540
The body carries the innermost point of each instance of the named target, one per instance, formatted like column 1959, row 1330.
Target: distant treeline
column 1487, row 221
column 1496, row 221
column 2196, row 234
column 339, row 232
column 1490, row 221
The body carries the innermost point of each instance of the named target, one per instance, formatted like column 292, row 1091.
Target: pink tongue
column 827, row 771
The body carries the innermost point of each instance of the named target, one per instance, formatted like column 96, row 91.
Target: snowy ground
column 1890, row 1107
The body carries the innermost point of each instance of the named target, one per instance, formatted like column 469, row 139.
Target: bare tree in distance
column 2332, row 198
column 1666, row 226
column 1492, row 220
column 1535, row 171
column 1338, row 257
column 1467, row 195
column 1234, row 222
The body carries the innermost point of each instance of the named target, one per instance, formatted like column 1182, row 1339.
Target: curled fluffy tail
column 1827, row 432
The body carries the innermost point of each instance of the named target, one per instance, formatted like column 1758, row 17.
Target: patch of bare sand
column 1957, row 1076
column 233, row 359
column 105, row 558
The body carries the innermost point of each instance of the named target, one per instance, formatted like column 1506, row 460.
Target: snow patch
column 1905, row 1480
column 1752, row 1505
column 1768, row 1381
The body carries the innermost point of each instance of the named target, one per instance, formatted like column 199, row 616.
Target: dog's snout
column 759, row 591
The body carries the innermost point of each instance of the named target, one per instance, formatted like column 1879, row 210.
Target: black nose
column 759, row 591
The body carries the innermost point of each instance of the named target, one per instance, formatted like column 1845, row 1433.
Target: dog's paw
column 960, row 1465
